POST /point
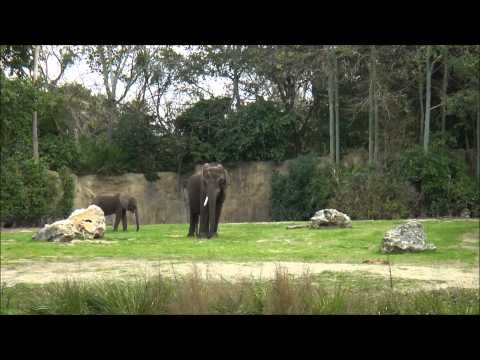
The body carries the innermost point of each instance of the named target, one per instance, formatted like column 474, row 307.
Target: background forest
column 413, row 111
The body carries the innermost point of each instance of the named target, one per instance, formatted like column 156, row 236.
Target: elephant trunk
column 136, row 218
column 212, row 203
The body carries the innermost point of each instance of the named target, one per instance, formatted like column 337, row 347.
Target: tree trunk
column 370, row 108
column 375, row 106
column 34, row 122
column 422, row 111
column 337, row 116
column 478, row 138
column 236, row 92
column 330, row 107
column 444, row 89
column 428, row 96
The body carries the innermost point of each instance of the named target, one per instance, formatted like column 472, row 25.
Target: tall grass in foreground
column 192, row 294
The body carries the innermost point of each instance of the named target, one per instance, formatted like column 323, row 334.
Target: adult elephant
column 119, row 205
column 206, row 195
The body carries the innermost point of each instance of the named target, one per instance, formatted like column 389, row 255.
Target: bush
column 367, row 193
column 27, row 192
column 441, row 180
column 305, row 189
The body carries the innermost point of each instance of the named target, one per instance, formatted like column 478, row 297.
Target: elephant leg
column 218, row 212
column 118, row 215
column 124, row 220
column 203, row 233
column 193, row 224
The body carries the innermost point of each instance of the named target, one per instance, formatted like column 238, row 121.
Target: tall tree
column 331, row 100
column 375, row 106
column 34, row 122
column 371, row 112
column 337, row 113
column 428, row 97
column 444, row 87
column 118, row 67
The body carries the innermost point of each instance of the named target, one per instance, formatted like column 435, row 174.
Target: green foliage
column 17, row 99
column 27, row 191
column 441, row 180
column 136, row 136
column 65, row 204
column 369, row 193
column 305, row 189
column 98, row 155
column 257, row 131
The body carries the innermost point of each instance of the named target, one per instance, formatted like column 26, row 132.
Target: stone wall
column 165, row 200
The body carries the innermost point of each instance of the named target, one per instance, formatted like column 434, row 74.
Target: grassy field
column 456, row 241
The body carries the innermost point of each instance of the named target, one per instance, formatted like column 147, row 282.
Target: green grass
column 257, row 242
column 191, row 294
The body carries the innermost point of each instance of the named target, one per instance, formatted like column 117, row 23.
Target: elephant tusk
column 206, row 201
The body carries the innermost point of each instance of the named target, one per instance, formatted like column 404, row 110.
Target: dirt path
column 44, row 272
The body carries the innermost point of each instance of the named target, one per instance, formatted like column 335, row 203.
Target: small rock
column 330, row 217
column 408, row 237
column 465, row 214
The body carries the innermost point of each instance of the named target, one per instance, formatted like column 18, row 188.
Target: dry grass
column 192, row 294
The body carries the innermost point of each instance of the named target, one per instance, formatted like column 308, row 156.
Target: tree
column 444, row 87
column 331, row 102
column 337, row 116
column 118, row 67
column 34, row 122
column 371, row 105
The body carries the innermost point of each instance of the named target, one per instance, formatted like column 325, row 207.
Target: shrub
column 440, row 179
column 305, row 189
column 367, row 193
column 27, row 192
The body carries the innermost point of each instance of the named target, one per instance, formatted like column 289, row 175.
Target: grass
column 191, row 294
column 256, row 242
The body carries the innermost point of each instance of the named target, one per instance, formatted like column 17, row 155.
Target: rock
column 408, row 237
column 81, row 224
column 330, row 217
column 465, row 213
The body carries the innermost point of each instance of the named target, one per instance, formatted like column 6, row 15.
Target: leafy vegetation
column 193, row 295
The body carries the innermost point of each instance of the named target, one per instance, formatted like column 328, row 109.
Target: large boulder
column 408, row 237
column 330, row 217
column 81, row 224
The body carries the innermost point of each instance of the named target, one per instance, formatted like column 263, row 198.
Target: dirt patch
column 40, row 272
column 471, row 241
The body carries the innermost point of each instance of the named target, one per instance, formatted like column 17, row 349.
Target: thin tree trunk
column 34, row 122
column 370, row 108
column 236, row 92
column 428, row 96
column 337, row 117
column 375, row 106
column 444, row 89
column 330, row 107
column 422, row 111
column 478, row 138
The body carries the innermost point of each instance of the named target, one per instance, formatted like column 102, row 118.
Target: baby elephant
column 118, row 205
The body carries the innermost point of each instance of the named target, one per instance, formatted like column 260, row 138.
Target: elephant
column 117, row 204
column 206, row 194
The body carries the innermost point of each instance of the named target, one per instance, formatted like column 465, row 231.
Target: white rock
column 408, row 237
column 81, row 224
column 330, row 217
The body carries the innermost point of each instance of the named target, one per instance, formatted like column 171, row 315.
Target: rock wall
column 165, row 200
